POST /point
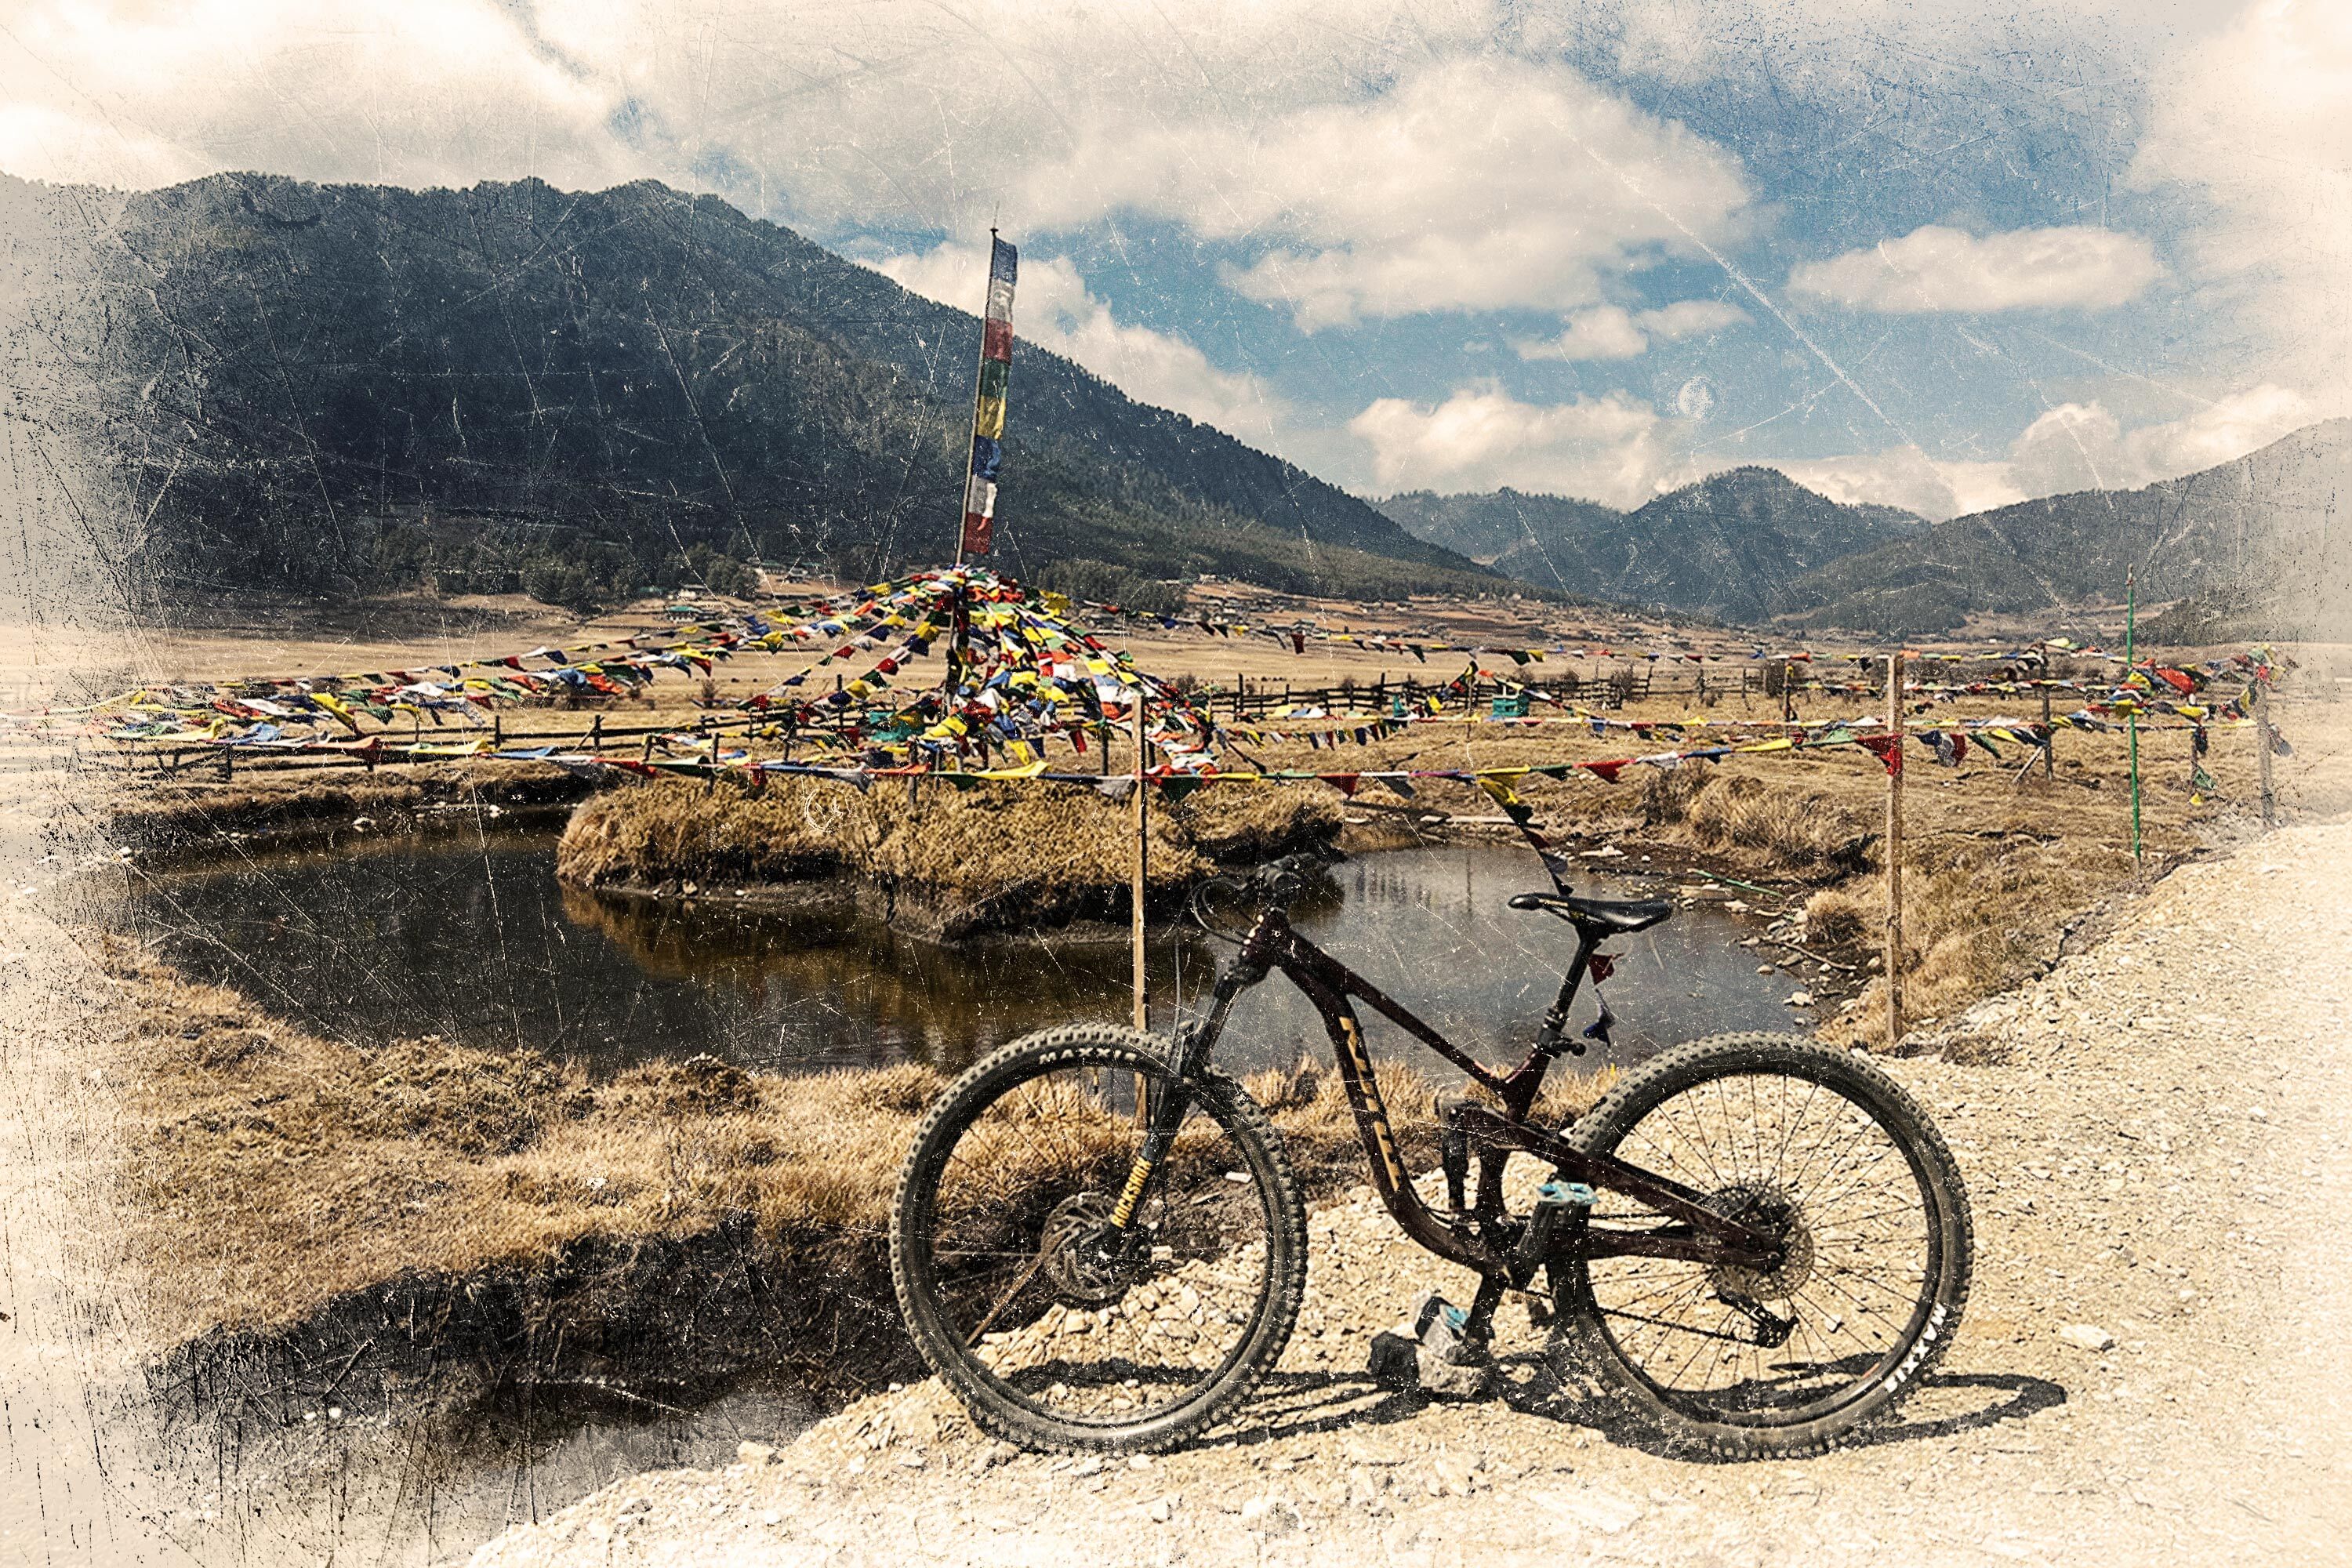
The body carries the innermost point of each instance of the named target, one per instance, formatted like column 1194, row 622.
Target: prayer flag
column 988, row 400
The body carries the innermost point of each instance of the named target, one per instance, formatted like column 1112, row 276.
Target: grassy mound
column 946, row 862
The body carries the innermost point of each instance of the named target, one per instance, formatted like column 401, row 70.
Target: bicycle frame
column 1482, row 1237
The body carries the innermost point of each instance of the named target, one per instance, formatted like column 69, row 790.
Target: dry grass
column 1799, row 830
column 1979, row 915
column 950, row 861
column 277, row 1173
column 1838, row 917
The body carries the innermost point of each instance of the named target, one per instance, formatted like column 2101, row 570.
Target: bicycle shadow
column 1288, row 1407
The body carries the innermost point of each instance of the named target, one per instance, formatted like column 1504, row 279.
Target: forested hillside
column 332, row 389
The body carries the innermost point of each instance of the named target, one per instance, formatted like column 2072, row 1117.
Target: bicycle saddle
column 1611, row 914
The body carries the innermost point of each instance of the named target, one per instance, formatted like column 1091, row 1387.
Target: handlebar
column 1277, row 884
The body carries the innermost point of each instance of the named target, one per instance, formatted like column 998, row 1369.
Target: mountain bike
column 1753, row 1244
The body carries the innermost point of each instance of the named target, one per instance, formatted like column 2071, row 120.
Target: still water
column 476, row 942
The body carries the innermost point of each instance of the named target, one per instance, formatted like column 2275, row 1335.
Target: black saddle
column 1612, row 915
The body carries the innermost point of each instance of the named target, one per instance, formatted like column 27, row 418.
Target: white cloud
column 1054, row 308
column 2072, row 447
column 1605, row 331
column 414, row 91
column 898, row 114
column 2078, row 445
column 1611, row 331
column 1907, row 477
column 1470, row 184
column 1936, row 269
column 1609, row 449
column 2258, row 123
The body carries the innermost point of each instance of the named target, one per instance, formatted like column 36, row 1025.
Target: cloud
column 1054, row 309
column 1611, row 331
column 1470, row 184
column 418, row 92
column 2072, row 447
column 1907, row 477
column 2257, row 123
column 892, row 115
column 1935, row 268
column 1609, row 449
column 2079, row 446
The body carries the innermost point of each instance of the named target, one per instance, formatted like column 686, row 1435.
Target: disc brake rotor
column 1082, row 1253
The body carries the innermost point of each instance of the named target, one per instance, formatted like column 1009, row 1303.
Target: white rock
column 2087, row 1337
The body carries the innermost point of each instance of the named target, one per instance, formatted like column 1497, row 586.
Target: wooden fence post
column 2262, row 741
column 2049, row 733
column 1894, row 851
column 1142, row 855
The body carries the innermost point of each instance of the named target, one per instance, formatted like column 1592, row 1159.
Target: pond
column 476, row 942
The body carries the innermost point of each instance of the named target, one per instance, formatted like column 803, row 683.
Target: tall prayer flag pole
column 987, row 402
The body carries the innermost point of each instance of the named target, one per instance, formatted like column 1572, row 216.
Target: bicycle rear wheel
column 1057, row 1331
column 1821, row 1148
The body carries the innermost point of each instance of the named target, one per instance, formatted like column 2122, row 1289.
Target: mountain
column 2254, row 546
column 1726, row 547
column 332, row 388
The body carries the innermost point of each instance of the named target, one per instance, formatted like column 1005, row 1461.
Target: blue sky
column 1924, row 254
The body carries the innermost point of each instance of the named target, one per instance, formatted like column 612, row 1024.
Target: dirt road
column 2165, row 1156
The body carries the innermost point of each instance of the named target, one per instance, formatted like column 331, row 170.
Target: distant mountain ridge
column 337, row 387
column 2264, row 535
column 1729, row 546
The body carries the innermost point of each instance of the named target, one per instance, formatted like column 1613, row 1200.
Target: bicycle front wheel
column 1057, row 1330
column 1824, row 1150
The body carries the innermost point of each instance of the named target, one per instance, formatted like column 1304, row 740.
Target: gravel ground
column 2161, row 1159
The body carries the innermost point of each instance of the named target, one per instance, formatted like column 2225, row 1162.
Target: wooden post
column 1142, row 855
column 2262, row 742
column 1895, row 852
column 2049, row 732
column 2131, row 720
column 1469, row 707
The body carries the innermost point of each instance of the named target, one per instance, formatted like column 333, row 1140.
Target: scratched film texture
column 305, row 305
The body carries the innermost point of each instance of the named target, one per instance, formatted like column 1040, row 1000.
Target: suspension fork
column 1193, row 1046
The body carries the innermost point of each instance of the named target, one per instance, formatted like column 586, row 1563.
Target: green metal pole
column 2131, row 617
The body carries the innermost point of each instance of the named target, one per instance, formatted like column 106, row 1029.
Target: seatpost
column 1555, row 1023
